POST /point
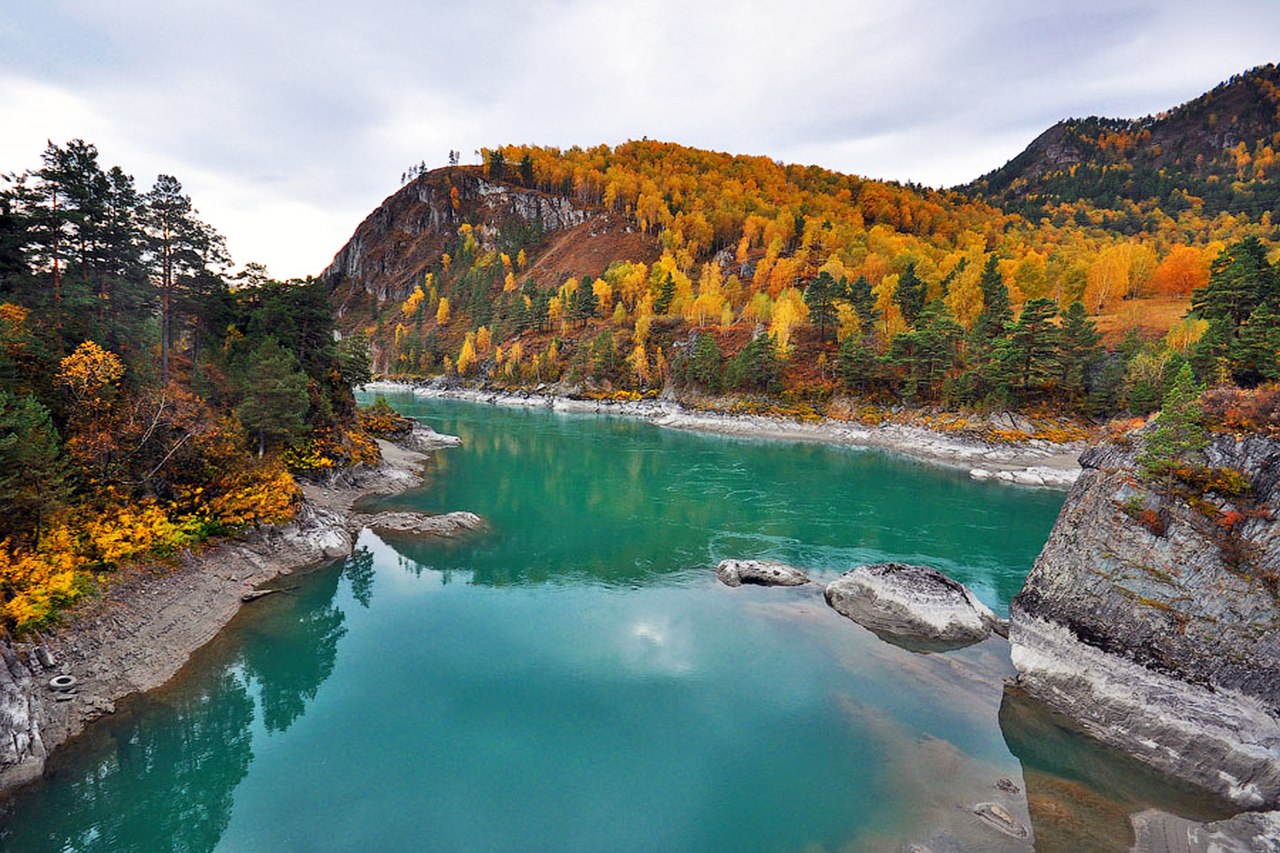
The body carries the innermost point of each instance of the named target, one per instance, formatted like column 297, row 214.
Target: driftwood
column 255, row 594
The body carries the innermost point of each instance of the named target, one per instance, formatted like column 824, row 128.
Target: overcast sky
column 287, row 121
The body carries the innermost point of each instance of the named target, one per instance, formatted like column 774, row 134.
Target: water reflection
column 619, row 502
column 161, row 773
column 1080, row 793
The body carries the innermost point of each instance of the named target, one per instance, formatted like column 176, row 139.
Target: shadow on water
column 160, row 773
column 1081, row 793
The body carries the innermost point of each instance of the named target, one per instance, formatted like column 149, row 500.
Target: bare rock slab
column 915, row 604
column 759, row 573
column 421, row 524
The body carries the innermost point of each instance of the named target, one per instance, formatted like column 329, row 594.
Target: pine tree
column 819, row 296
column 863, row 301
column 1240, row 280
column 756, row 367
column 32, row 469
column 1179, row 430
column 996, row 313
column 1028, row 357
column 910, row 294
column 1210, row 356
column 859, row 366
column 274, row 394
column 1255, row 353
column 585, row 304
column 665, row 296
column 1079, row 348
column 703, row 365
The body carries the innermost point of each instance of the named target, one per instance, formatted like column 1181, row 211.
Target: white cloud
column 289, row 121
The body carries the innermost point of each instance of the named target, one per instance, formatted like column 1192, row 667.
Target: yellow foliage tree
column 467, row 356
column 789, row 311
column 442, row 311
column 413, row 303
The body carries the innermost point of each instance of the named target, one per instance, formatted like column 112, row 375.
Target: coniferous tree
column 274, row 394
column 1240, row 280
column 1027, row 358
column 996, row 313
column 32, row 469
column 819, row 296
column 1079, row 348
column 585, row 304
column 910, row 294
column 180, row 247
column 863, row 302
column 605, row 362
column 756, row 367
column 665, row 296
column 1211, row 355
column 859, row 366
column 703, row 365
column 1179, row 430
column 1255, row 353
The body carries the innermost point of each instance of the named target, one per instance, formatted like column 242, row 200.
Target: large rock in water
column 911, row 603
column 760, row 573
column 420, row 523
column 1151, row 617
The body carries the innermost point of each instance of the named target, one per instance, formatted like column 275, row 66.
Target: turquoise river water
column 575, row 679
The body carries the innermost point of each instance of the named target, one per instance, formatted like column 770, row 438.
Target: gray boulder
column 915, row 604
column 760, row 573
column 421, row 524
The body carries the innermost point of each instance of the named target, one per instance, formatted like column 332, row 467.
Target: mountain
column 652, row 266
column 1216, row 153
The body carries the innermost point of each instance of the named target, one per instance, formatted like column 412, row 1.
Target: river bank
column 1032, row 463
column 150, row 619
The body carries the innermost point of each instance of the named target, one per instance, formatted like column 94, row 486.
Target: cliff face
column 404, row 238
column 1152, row 618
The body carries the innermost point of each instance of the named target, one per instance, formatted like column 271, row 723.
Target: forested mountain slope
column 1211, row 155
column 651, row 265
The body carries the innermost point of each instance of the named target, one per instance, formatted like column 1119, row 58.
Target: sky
column 287, row 121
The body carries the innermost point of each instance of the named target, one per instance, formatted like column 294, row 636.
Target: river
column 575, row 679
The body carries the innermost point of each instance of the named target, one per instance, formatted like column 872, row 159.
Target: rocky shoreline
column 149, row 621
column 1031, row 463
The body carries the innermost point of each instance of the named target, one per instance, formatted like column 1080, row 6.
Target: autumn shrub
column 380, row 420
column 260, row 495
column 34, row 583
column 124, row 531
column 1227, row 482
column 1255, row 410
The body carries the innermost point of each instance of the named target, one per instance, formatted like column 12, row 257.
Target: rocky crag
column 1152, row 616
column 394, row 247
column 147, row 623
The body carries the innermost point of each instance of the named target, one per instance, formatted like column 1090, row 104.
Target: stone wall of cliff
column 396, row 244
column 1152, row 618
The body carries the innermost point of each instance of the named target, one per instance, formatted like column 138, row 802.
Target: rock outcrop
column 420, row 523
column 915, row 604
column 1152, row 616
column 759, row 573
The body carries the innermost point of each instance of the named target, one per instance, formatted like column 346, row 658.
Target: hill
column 651, row 266
column 1215, row 154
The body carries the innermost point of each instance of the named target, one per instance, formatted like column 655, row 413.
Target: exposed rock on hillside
column 396, row 244
column 911, row 603
column 1151, row 616
column 759, row 573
